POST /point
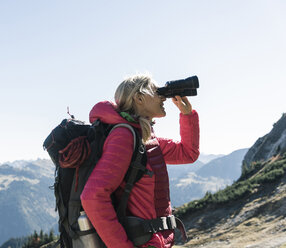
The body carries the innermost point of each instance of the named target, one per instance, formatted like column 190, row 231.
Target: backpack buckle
column 141, row 149
column 171, row 222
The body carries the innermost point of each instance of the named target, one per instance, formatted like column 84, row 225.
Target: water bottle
column 91, row 240
column 83, row 222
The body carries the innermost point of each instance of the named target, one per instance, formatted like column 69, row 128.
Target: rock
column 272, row 144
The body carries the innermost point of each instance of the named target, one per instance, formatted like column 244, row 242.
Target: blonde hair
column 124, row 98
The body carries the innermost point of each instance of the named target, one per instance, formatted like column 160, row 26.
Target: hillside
column 249, row 213
column 252, row 211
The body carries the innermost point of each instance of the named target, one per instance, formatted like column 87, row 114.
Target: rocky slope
column 269, row 145
column 257, row 220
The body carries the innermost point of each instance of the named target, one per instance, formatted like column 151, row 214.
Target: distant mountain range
column 205, row 158
column 227, row 167
column 28, row 203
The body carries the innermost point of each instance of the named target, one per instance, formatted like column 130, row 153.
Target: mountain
column 180, row 171
column 206, row 158
column 187, row 184
column 269, row 145
column 227, row 167
column 250, row 212
column 26, row 201
column 177, row 171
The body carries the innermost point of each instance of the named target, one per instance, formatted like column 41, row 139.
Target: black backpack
column 75, row 148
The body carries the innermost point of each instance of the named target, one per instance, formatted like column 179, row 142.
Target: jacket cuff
column 193, row 116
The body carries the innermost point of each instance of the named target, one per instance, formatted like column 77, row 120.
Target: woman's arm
column 106, row 177
column 186, row 150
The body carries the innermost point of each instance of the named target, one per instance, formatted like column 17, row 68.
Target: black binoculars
column 182, row 87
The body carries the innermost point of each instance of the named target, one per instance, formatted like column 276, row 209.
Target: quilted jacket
column 150, row 196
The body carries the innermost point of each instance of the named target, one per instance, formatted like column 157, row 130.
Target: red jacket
column 150, row 196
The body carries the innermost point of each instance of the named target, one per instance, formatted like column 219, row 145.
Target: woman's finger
column 183, row 104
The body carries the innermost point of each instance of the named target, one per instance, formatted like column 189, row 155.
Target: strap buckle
column 171, row 222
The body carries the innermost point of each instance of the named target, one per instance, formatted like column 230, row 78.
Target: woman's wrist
column 187, row 112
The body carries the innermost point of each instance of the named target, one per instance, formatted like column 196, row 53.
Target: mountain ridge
column 270, row 145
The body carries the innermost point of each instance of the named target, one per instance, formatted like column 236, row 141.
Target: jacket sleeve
column 106, row 177
column 186, row 150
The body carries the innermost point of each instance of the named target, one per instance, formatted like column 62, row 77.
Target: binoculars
column 182, row 87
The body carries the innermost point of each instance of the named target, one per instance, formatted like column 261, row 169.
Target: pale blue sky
column 55, row 54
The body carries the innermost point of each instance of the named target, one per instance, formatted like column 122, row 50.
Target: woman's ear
column 138, row 99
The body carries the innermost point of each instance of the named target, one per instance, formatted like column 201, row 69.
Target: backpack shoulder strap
column 130, row 128
column 136, row 169
column 139, row 158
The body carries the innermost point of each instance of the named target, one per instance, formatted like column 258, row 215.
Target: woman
column 137, row 103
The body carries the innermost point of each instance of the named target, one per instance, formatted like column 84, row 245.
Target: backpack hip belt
column 140, row 231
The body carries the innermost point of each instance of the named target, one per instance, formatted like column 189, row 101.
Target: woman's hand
column 183, row 104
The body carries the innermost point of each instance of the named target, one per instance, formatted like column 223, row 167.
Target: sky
column 55, row 54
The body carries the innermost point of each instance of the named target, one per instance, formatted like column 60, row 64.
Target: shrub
column 37, row 240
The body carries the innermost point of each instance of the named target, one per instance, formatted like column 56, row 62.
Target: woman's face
column 152, row 106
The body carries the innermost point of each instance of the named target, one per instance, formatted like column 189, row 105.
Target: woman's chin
column 163, row 114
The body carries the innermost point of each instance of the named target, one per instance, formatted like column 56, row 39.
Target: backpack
column 75, row 148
